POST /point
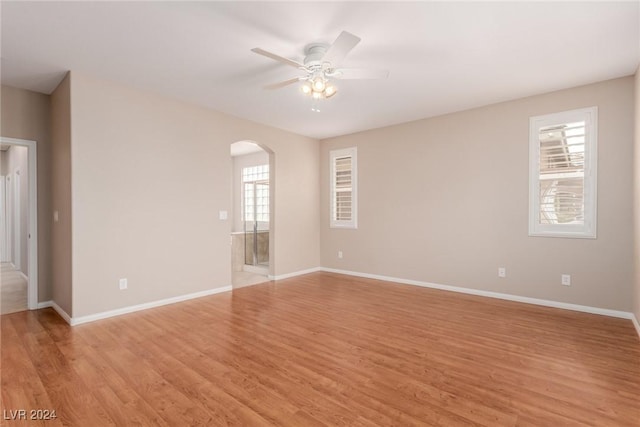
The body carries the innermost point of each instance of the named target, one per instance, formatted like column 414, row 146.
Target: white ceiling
column 442, row 56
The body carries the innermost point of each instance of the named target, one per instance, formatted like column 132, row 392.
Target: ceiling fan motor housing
column 313, row 55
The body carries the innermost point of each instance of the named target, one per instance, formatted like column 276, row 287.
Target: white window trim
column 588, row 230
column 333, row 154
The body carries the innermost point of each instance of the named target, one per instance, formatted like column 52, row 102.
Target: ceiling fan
column 321, row 65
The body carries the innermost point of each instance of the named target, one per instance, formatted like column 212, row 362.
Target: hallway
column 13, row 290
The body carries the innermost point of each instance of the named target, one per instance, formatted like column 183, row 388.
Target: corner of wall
column 61, row 195
column 636, row 202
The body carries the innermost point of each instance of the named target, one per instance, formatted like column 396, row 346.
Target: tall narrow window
column 343, row 188
column 562, row 174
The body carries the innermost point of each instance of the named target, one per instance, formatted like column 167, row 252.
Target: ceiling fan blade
column 359, row 73
column 339, row 49
column 284, row 83
column 277, row 57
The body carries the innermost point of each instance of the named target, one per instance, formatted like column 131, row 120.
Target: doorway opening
column 252, row 213
column 18, row 225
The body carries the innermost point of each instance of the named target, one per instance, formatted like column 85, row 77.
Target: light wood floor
column 326, row 350
column 13, row 290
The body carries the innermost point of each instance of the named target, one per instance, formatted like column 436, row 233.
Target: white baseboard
column 295, row 273
column 62, row 313
column 57, row 308
column 45, row 304
column 138, row 307
column 73, row 321
column 490, row 294
column 634, row 319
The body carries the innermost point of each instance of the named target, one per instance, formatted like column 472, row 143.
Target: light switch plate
column 223, row 215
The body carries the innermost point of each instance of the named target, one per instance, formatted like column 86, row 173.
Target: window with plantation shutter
column 563, row 150
column 343, row 188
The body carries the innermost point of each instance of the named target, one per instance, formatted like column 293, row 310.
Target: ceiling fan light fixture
column 319, row 84
column 330, row 90
column 318, row 88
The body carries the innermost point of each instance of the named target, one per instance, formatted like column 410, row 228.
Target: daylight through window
column 563, row 150
column 255, row 180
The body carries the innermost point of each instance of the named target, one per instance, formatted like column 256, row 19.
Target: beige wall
column 151, row 173
column 149, row 176
column 27, row 115
column 636, row 183
column 61, row 278
column 445, row 200
column 17, row 162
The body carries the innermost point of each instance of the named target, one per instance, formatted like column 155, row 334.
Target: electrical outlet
column 502, row 272
column 123, row 284
column 566, row 279
column 339, row 254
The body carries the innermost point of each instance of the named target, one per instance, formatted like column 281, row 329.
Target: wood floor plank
column 326, row 350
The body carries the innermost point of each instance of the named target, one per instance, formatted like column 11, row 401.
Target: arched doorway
column 252, row 213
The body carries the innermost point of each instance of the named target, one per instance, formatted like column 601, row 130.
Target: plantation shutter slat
column 343, row 197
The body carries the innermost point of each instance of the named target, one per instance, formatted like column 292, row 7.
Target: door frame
column 9, row 200
column 32, row 235
column 4, row 242
column 17, row 220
